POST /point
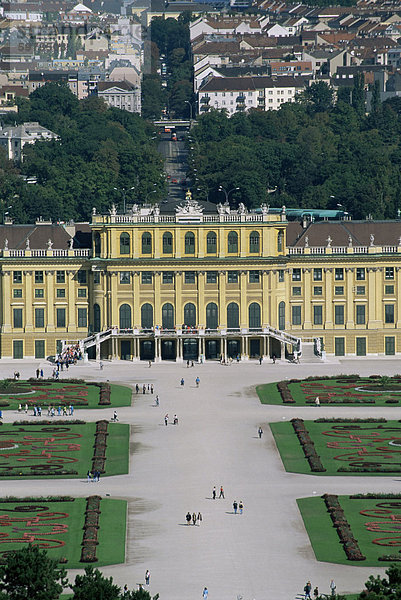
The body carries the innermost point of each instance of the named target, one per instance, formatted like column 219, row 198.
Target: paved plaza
column 262, row 554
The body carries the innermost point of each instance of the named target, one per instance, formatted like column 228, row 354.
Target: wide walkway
column 262, row 554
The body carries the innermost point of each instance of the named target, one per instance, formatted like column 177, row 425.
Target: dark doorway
column 275, row 348
column 147, row 350
column 168, row 349
column 190, row 349
column 212, row 349
column 125, row 349
column 233, row 348
column 254, row 348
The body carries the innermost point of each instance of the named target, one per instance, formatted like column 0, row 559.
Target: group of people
column 238, row 507
column 93, row 476
column 214, row 492
column 308, row 590
column 39, row 373
column 166, row 418
column 70, row 356
column 195, row 518
column 51, row 410
column 149, row 388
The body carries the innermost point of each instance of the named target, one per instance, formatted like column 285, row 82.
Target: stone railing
column 344, row 250
column 47, row 253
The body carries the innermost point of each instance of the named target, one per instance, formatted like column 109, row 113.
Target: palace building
column 199, row 282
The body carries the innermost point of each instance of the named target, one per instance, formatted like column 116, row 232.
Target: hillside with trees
column 99, row 149
column 314, row 153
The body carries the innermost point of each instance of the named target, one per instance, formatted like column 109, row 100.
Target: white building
column 120, row 94
column 239, row 94
column 13, row 139
column 227, row 25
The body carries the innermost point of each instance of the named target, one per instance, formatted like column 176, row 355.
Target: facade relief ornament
column 6, row 244
column 190, row 206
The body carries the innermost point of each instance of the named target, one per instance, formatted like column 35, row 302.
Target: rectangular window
column 339, row 274
column 125, row 277
column 317, row 274
column 168, row 277
column 96, row 277
column 60, row 317
column 389, row 345
column 360, row 290
column 82, row 317
column 17, row 293
column 232, row 277
column 296, row 274
column 281, row 275
column 317, row 290
column 211, row 277
column 81, row 292
column 189, row 277
column 339, row 314
column 296, row 291
column 17, row 277
column 60, row 276
column 17, row 318
column 389, row 313
column 39, row 293
column 296, row 315
column 254, row 276
column 38, row 276
column 389, row 274
column 339, row 290
column 339, row 346
column 39, row 317
column 360, row 274
column 18, row 349
column 360, row 314
column 146, row 277
column 318, row 315
column 60, row 293
column 389, row 289
column 81, row 277
column 361, row 346
column 39, row 348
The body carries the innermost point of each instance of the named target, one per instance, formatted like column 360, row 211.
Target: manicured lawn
column 44, row 394
column 37, row 451
column 380, row 523
column 347, row 445
column 334, row 392
column 58, row 526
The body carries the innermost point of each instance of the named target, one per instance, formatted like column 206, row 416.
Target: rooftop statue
column 190, row 206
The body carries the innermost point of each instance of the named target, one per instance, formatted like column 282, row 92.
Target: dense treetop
column 316, row 153
column 99, row 149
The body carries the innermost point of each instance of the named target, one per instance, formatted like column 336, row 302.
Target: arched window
column 190, row 314
column 189, row 243
column 167, row 243
column 211, row 243
column 212, row 316
column 281, row 315
column 233, row 316
column 146, row 243
column 125, row 316
column 168, row 316
column 124, row 243
column 280, row 241
column 254, row 315
column 97, row 325
column 254, row 242
column 146, row 316
column 97, row 243
column 232, row 242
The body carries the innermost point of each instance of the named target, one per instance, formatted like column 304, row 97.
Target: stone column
column 29, row 302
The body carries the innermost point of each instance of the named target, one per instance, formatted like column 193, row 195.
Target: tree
column 380, row 588
column 30, row 574
column 319, row 96
column 376, row 99
column 358, row 93
column 92, row 586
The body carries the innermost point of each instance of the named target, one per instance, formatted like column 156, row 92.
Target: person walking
column 260, row 359
column 214, row 493
column 115, row 418
column 332, row 588
column 150, row 364
column 147, row 577
column 316, row 592
column 241, row 507
column 205, row 593
column 188, row 518
column 182, row 381
column 317, row 401
column 199, row 518
column 193, row 518
column 89, row 476
column 101, row 366
column 221, row 495
column 166, row 419
column 151, row 388
column 307, row 590
column 157, row 400
column 197, row 381
column 235, row 506
column 260, row 432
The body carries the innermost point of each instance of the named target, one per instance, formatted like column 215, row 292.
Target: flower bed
column 91, row 527
column 307, row 446
column 100, row 447
column 341, row 524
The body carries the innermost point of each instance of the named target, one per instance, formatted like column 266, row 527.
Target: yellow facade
column 189, row 286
